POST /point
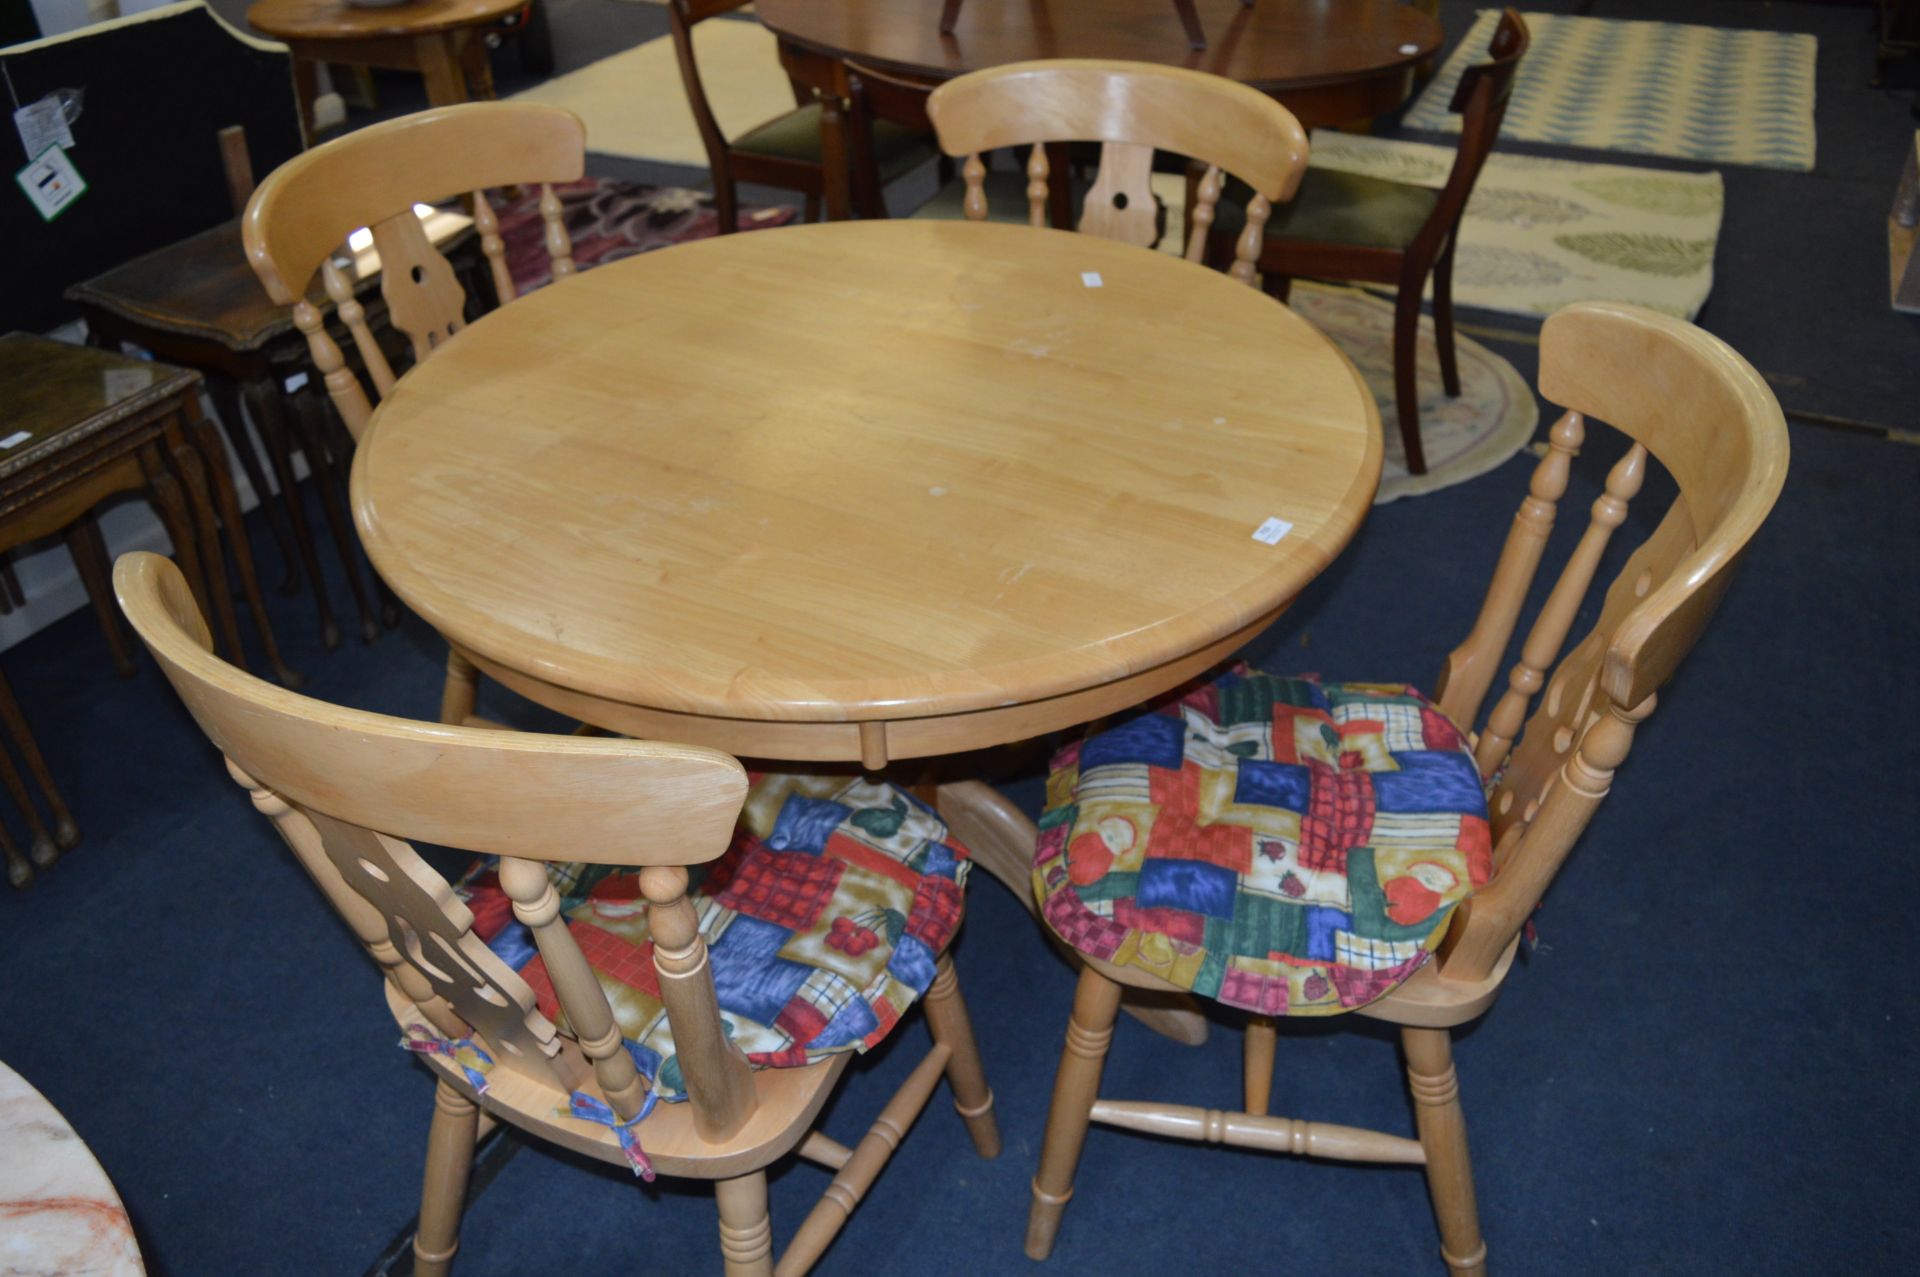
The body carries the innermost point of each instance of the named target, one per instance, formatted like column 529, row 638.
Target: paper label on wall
column 51, row 182
column 42, row 124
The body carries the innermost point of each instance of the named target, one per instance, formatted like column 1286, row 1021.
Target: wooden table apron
column 866, row 491
column 1328, row 63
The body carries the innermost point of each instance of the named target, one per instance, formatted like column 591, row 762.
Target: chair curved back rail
column 299, row 217
column 1132, row 109
column 1690, row 402
column 346, row 789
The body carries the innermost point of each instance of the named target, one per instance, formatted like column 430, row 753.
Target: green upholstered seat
column 1339, row 208
column 796, row 136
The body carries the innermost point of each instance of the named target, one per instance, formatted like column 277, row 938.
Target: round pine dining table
column 867, row 491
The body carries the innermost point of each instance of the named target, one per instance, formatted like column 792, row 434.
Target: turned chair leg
column 1262, row 1035
column 746, row 1231
column 1089, row 1033
column 461, row 689
column 810, row 212
column 1443, row 1134
column 456, row 1120
column 1443, row 322
column 1406, row 386
column 950, row 1025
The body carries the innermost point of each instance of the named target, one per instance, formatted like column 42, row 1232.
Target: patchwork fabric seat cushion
column 823, row 921
column 1277, row 844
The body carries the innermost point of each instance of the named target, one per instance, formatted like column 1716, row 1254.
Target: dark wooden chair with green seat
column 785, row 152
column 1346, row 226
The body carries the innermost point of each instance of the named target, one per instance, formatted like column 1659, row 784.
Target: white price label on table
column 1270, row 532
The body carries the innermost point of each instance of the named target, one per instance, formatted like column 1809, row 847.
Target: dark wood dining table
column 1328, row 63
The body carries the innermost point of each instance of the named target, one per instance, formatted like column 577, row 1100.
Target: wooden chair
column 787, row 151
column 1684, row 399
column 347, row 788
column 1346, row 226
column 305, row 209
column 1131, row 109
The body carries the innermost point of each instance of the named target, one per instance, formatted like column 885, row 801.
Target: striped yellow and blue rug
column 1653, row 88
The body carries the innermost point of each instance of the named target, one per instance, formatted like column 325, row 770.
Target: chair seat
column 1338, row 208
column 823, row 922
column 1276, row 844
column 796, row 136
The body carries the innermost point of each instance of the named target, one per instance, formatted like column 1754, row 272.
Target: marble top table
column 58, row 1213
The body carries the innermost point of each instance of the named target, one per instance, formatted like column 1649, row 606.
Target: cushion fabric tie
column 475, row 1064
column 588, row 1109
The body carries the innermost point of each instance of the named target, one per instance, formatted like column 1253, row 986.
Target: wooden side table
column 198, row 303
column 440, row 39
column 95, row 424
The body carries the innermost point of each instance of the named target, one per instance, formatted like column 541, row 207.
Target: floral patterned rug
column 608, row 220
column 1540, row 233
column 1494, row 417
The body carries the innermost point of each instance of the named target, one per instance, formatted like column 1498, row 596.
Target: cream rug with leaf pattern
column 1540, row 233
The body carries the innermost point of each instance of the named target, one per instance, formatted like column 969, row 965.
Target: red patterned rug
column 608, row 220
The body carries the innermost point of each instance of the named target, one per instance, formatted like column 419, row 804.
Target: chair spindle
column 1550, row 628
column 342, row 386
column 719, row 1080
column 1470, row 667
column 537, row 905
column 354, row 316
column 559, row 246
column 1038, row 171
column 975, row 174
column 1246, row 251
column 492, row 247
column 1200, row 221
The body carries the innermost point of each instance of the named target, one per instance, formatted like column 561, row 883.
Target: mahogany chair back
column 305, row 209
column 682, row 17
column 1132, row 109
column 1690, row 402
column 347, row 789
column 1480, row 99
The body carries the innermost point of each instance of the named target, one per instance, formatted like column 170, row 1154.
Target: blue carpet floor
column 1704, row 1066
